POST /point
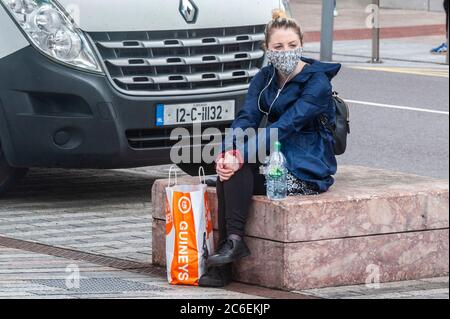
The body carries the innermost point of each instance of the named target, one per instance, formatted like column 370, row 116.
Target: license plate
column 205, row 112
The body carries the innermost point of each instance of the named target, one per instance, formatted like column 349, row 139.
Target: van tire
column 192, row 169
column 9, row 176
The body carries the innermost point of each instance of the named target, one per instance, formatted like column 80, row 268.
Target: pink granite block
column 336, row 262
column 348, row 261
column 370, row 219
column 159, row 242
column 363, row 201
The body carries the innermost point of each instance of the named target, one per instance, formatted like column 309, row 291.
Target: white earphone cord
column 278, row 94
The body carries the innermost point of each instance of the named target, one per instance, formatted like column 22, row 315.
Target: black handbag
column 341, row 129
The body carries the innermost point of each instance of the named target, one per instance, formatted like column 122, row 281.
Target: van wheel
column 192, row 169
column 9, row 175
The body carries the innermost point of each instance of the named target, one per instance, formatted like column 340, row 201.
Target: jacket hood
column 330, row 69
column 315, row 66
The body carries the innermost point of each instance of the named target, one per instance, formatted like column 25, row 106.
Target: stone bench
column 372, row 223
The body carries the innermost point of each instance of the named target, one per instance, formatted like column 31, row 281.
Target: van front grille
column 160, row 138
column 183, row 61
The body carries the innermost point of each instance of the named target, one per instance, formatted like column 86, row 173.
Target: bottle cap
column 277, row 146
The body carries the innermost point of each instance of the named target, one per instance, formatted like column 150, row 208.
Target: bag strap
column 202, row 175
column 323, row 119
column 173, row 168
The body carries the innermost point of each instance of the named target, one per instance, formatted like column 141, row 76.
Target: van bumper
column 55, row 116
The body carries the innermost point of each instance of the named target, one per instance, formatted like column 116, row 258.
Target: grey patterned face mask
column 285, row 61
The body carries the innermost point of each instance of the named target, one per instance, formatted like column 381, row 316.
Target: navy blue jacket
column 307, row 145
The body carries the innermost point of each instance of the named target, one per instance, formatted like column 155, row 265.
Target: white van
column 101, row 83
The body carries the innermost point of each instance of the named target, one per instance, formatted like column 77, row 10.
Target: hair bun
column 279, row 14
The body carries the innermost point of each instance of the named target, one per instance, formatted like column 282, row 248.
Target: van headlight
column 52, row 31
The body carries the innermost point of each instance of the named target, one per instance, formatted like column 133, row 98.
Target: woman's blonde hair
column 281, row 20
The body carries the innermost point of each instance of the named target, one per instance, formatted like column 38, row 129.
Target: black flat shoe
column 216, row 277
column 231, row 250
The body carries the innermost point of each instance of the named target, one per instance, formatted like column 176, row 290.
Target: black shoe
column 219, row 276
column 231, row 250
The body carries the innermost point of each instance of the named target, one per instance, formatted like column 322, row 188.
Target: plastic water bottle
column 276, row 175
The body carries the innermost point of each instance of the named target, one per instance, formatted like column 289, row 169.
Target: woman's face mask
column 285, row 61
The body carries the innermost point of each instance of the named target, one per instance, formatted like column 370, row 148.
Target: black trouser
column 234, row 199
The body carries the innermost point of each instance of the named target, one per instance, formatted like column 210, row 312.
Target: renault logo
column 188, row 10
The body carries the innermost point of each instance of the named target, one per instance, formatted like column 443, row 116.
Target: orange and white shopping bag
column 189, row 231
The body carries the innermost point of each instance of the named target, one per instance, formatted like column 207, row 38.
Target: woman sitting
column 288, row 95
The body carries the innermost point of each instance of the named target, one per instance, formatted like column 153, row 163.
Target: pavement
column 97, row 223
column 30, row 275
column 412, row 51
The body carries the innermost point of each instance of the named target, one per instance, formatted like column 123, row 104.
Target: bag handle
column 173, row 168
column 202, row 175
